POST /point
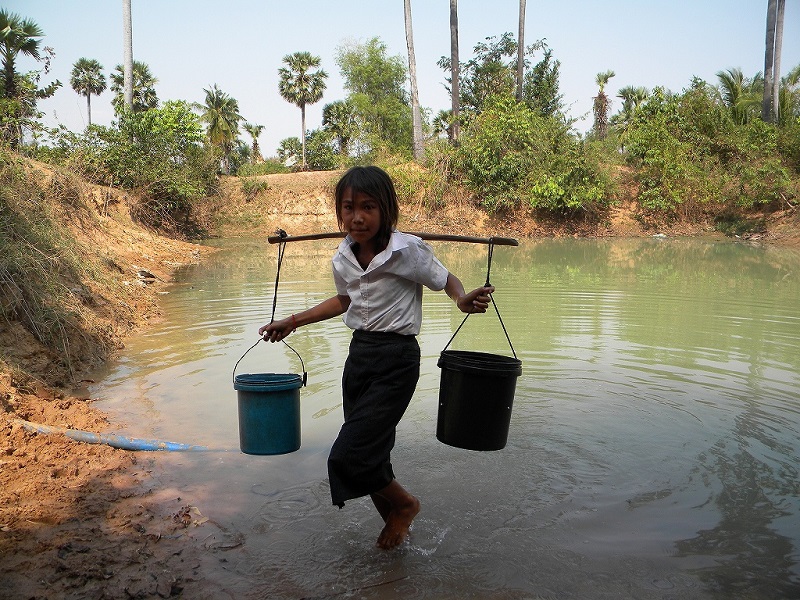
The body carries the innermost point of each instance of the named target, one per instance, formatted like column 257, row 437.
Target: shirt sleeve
column 429, row 271
column 338, row 279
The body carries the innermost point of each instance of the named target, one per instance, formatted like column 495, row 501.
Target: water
column 652, row 451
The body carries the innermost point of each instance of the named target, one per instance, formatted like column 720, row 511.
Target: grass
column 41, row 265
column 252, row 187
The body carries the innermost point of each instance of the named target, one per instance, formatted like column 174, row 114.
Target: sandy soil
column 89, row 521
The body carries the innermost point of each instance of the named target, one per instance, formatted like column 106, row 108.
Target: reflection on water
column 653, row 445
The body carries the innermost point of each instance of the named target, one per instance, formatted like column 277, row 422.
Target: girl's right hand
column 278, row 330
column 477, row 301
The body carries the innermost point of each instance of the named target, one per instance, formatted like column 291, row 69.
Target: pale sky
column 190, row 45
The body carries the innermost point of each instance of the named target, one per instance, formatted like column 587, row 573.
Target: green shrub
column 321, row 151
column 664, row 161
column 688, row 153
column 158, row 152
column 251, row 187
column 511, row 155
column 788, row 143
column 270, row 166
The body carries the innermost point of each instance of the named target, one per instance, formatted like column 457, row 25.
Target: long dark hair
column 375, row 183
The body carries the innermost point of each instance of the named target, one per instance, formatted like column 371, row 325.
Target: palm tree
column 455, row 92
column 521, row 51
column 127, row 35
column 740, row 94
column 301, row 86
column 221, row 115
column 416, row 115
column 632, row 97
column 254, row 131
column 87, row 79
column 144, row 93
column 601, row 105
column 16, row 35
column 339, row 118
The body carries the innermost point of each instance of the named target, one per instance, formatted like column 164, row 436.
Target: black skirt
column 379, row 379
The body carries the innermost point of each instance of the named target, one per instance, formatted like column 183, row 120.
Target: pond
column 653, row 444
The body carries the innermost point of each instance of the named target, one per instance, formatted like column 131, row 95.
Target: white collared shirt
column 387, row 295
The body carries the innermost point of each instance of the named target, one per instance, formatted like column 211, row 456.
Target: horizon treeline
column 512, row 144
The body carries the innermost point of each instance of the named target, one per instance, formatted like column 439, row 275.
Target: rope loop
column 281, row 251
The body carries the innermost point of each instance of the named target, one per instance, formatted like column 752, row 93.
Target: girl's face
column 361, row 215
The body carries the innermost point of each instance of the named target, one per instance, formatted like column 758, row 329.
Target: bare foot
column 398, row 524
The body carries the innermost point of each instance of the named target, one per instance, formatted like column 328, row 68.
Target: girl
column 379, row 273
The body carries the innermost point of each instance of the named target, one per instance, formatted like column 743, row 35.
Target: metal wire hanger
column 281, row 251
column 497, row 310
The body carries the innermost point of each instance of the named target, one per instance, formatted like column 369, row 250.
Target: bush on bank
column 511, row 155
column 159, row 153
column 688, row 154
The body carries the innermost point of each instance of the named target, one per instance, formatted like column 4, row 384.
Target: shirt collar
column 397, row 242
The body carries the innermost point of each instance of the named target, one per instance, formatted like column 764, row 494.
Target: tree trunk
column 127, row 32
column 521, row 50
column 769, row 60
column 303, row 134
column 776, row 68
column 89, row 108
column 601, row 115
column 455, row 128
column 9, row 80
column 416, row 115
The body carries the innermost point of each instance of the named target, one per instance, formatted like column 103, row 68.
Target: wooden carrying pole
column 434, row 237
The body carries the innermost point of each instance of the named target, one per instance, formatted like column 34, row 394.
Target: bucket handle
column 487, row 284
column 505, row 331
column 302, row 364
column 281, row 250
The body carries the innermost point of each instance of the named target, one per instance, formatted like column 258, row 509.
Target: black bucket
column 476, row 394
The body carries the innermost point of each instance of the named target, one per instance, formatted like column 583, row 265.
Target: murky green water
column 652, row 451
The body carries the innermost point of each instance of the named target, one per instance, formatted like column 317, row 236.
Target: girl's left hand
column 477, row 301
column 277, row 330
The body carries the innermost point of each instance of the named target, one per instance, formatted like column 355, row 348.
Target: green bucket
column 269, row 412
